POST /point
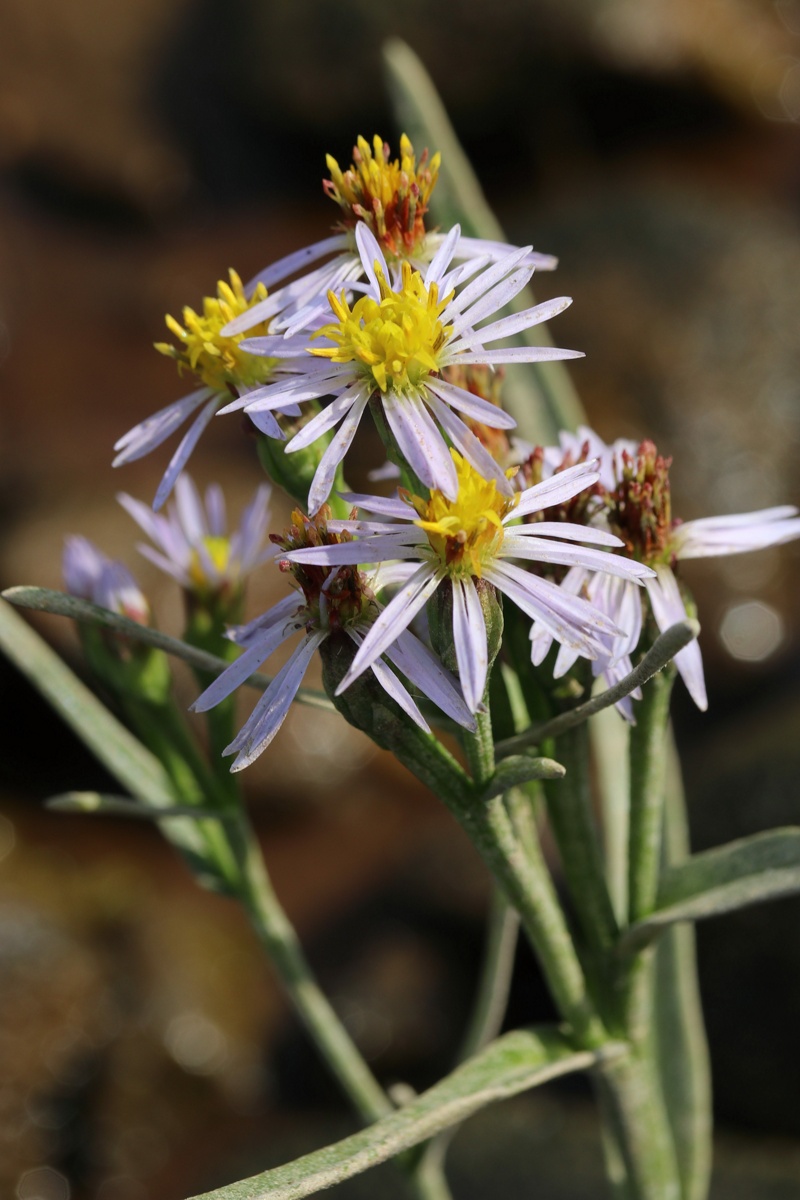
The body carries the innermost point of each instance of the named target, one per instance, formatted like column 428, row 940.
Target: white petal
column 297, row 260
column 737, row 533
column 508, row 326
column 325, row 420
column 325, row 473
column 555, row 490
column 469, row 639
column 535, row 550
column 421, row 443
column 442, row 258
column 482, row 283
column 511, row 355
column 492, row 302
column 569, row 531
column 498, row 250
column 191, row 513
column 386, row 506
column 474, row 406
column 469, row 445
column 371, row 255
column 394, row 688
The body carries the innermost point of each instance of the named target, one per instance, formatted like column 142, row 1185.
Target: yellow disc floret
column 397, row 340
column 217, row 361
column 218, row 550
column 391, row 195
column 467, row 532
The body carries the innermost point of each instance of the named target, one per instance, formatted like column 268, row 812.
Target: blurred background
column 147, row 147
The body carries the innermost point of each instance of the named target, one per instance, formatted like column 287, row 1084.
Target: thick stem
column 648, row 749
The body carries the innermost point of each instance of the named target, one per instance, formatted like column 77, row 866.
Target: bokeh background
column 147, row 147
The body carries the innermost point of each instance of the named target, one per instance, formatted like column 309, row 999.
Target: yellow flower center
column 395, row 340
column 467, row 532
column 219, row 551
column 215, row 360
column 392, row 196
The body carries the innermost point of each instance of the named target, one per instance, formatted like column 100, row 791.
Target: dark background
column 146, row 148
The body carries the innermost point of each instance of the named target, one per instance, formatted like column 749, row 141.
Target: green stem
column 648, row 749
column 334, row 1043
column 569, row 809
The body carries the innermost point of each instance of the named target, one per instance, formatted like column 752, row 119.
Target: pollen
column 397, row 340
column 202, row 351
column 466, row 533
column 390, row 195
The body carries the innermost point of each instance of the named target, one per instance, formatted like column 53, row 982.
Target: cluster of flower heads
column 391, row 315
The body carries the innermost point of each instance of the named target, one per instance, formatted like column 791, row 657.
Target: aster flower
column 216, row 361
column 331, row 602
column 192, row 540
column 390, row 197
column 633, row 500
column 476, row 537
column 393, row 344
column 91, row 575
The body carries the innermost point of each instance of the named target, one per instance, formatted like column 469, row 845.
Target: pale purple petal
column 386, row 506
column 298, row 260
column 271, row 710
column 245, row 665
column 398, row 614
column 668, row 608
column 181, row 455
column 568, row 618
column 544, row 550
column 371, row 256
column 425, row 671
column 499, row 250
column 190, row 512
column 569, row 531
column 155, row 429
column 339, row 445
column 325, row 420
column 481, row 284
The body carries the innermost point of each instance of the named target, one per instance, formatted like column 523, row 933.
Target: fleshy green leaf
column 541, row 397
column 120, row 806
column 520, row 768
column 59, row 603
column 753, row 869
column 512, row 1064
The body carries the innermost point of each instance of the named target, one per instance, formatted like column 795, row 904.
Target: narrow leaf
column 119, row 806
column 512, row 1064
column 541, row 397
column 749, row 871
column 520, row 768
column 62, row 605
column 663, row 649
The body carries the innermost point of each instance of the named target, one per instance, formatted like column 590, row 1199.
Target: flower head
column 91, row 575
column 332, row 602
column 219, row 367
column 633, row 499
column 192, row 541
column 393, row 345
column 390, row 195
column 478, row 536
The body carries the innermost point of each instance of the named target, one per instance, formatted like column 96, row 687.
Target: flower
column 217, row 363
column 332, row 602
column 194, row 546
column 634, row 502
column 91, row 575
column 393, row 344
column 476, row 536
column 390, row 197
